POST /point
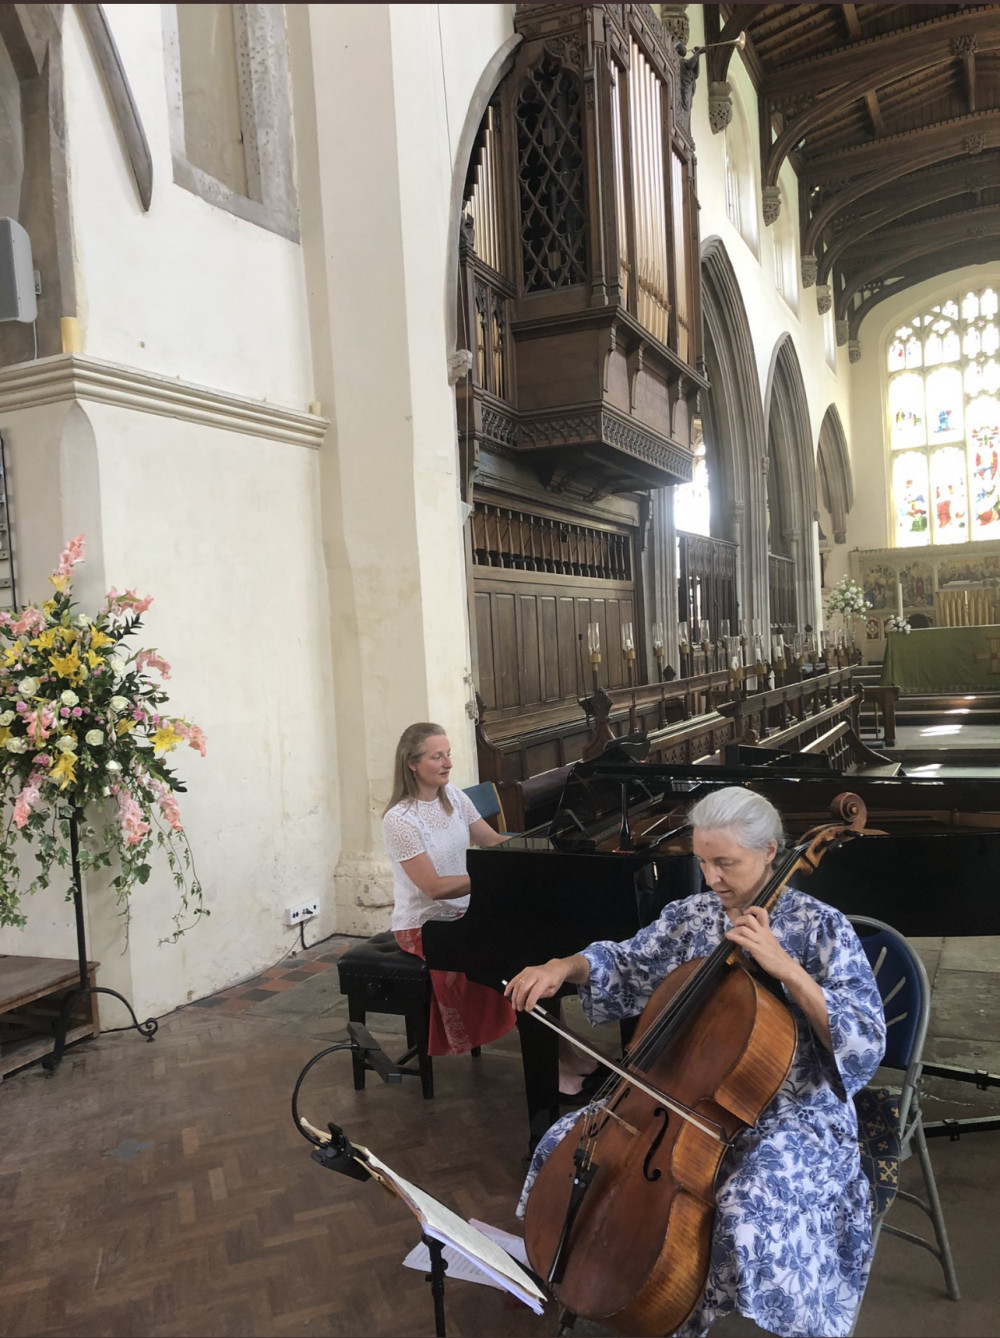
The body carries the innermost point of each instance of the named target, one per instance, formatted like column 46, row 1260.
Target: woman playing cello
column 791, row 1240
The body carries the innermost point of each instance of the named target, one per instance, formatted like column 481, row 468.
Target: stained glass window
column 944, row 421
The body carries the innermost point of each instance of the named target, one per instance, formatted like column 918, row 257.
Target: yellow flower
column 12, row 654
column 45, row 640
column 69, row 666
column 93, row 659
column 69, row 634
column 60, row 583
column 4, row 735
column 165, row 739
column 123, row 726
column 64, row 770
column 48, row 608
column 99, row 638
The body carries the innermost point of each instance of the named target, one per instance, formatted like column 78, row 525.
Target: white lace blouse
column 415, row 828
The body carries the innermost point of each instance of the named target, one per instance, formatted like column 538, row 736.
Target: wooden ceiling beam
column 944, row 183
column 980, row 252
column 878, row 60
column 969, row 74
column 816, row 112
column 943, row 139
column 928, row 245
column 960, row 225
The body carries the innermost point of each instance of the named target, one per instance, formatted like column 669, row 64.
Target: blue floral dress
column 792, row 1240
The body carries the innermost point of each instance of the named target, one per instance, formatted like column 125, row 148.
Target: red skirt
column 463, row 1014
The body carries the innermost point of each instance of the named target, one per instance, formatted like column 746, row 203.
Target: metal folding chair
column 890, row 1123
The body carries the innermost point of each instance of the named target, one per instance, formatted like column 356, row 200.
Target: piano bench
column 379, row 977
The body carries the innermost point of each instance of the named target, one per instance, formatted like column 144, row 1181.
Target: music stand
column 439, row 1225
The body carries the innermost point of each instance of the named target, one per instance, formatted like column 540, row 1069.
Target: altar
column 943, row 659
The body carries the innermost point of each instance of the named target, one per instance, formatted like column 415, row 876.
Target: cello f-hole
column 654, row 1173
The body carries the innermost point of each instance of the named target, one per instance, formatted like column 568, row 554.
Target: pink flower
column 130, row 817
column 27, row 799
column 64, row 712
column 70, row 556
column 194, row 734
column 148, row 659
column 77, row 712
column 168, row 804
column 39, row 723
column 31, row 620
column 128, row 605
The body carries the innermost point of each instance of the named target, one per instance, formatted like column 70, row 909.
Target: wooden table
column 32, row 990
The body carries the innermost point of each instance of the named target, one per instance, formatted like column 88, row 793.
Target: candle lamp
column 658, row 647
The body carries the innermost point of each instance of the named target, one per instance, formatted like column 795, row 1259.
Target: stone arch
column 32, row 38
column 733, row 419
column 791, row 474
column 497, row 69
column 836, row 480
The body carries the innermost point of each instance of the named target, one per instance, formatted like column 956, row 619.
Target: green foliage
column 84, row 738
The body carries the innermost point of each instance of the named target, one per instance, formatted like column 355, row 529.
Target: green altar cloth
column 943, row 659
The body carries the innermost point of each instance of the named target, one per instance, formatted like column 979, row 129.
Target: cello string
column 691, row 995
column 634, row 1079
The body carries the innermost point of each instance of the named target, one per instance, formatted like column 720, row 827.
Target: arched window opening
column 740, row 170
column 786, row 275
column 692, row 501
column 944, row 422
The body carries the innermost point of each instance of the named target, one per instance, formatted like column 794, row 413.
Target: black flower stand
column 147, row 1029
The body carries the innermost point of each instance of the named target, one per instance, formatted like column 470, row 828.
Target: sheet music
column 460, row 1267
column 453, row 1231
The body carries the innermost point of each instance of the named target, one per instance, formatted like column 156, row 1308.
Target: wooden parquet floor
column 161, row 1188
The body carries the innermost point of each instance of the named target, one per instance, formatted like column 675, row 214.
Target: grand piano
column 616, row 853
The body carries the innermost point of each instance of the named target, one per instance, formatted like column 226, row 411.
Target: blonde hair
column 410, row 749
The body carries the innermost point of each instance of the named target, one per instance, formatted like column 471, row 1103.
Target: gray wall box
column 17, row 279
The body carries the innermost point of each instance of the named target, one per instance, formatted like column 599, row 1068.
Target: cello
column 619, row 1220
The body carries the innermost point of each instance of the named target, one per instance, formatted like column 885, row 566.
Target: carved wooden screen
column 781, row 593
column 539, row 580
column 707, row 583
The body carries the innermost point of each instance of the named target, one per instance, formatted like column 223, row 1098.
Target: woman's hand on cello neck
column 542, row 982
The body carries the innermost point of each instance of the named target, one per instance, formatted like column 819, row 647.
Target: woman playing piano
column 427, row 828
column 792, row 1230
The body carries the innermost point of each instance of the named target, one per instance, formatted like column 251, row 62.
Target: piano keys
column 926, row 865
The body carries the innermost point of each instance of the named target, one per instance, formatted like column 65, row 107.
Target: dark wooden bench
column 849, row 755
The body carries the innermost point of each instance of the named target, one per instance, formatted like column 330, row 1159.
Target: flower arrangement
column 897, row 624
column 84, row 738
column 846, row 598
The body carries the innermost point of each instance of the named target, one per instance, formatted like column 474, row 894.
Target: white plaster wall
column 378, row 252
column 222, row 530
column 769, row 315
column 186, row 289
column 871, row 524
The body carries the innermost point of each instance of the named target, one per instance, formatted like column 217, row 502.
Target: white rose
column 69, row 698
column 119, row 704
column 16, row 745
column 113, row 767
column 95, row 737
column 117, row 665
column 82, row 620
column 27, row 687
column 67, row 744
column 7, row 718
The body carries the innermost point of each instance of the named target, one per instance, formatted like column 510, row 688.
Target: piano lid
column 656, row 797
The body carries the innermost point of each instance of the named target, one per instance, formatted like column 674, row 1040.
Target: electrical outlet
column 305, row 910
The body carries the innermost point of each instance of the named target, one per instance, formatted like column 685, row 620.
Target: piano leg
column 540, row 1061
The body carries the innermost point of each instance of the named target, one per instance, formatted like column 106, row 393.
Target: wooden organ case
column 579, row 299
